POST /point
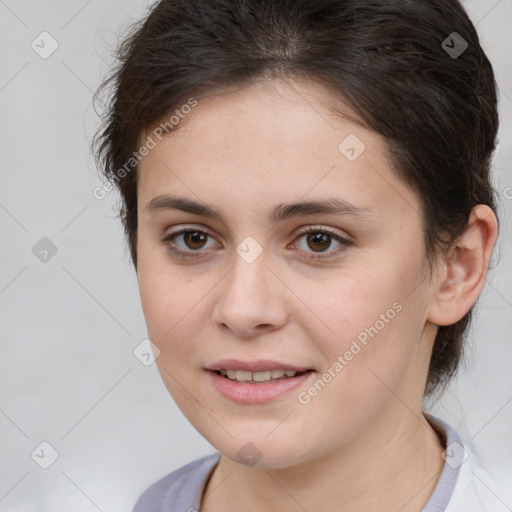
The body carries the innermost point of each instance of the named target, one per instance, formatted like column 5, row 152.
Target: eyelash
column 169, row 242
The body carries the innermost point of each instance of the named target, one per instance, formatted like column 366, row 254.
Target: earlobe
column 465, row 269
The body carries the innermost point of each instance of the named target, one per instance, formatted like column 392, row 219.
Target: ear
column 462, row 274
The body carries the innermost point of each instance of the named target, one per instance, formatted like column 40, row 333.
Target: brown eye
column 194, row 239
column 188, row 243
column 319, row 241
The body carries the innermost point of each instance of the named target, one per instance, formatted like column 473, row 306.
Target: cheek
column 169, row 303
column 171, row 306
column 368, row 356
column 348, row 308
column 369, row 317
column 177, row 308
column 166, row 296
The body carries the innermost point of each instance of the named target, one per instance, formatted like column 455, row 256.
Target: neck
column 386, row 468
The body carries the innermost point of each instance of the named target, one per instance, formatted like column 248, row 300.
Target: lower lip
column 258, row 393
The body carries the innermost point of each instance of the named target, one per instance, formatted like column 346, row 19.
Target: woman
column 307, row 200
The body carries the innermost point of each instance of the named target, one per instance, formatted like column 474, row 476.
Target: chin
column 260, row 452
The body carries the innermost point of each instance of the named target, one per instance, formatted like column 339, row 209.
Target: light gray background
column 68, row 328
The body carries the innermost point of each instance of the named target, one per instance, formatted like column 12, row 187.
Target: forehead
column 272, row 142
column 271, row 114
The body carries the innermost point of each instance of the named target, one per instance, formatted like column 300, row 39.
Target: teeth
column 243, row 375
column 261, row 376
column 267, row 376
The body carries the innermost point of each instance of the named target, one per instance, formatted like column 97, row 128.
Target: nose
column 251, row 299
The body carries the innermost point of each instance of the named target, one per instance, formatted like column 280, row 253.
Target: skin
column 362, row 443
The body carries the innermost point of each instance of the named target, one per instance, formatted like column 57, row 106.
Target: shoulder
column 475, row 489
column 179, row 490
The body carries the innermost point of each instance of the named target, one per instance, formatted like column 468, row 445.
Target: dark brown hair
column 397, row 64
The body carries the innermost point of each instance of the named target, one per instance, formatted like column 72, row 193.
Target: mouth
column 257, row 382
column 260, row 377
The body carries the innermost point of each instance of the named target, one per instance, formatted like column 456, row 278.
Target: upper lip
column 254, row 366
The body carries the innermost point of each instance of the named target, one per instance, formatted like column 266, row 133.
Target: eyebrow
column 278, row 213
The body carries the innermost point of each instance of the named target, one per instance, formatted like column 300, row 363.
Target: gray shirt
column 181, row 490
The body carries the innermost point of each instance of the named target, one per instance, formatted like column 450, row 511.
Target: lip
column 256, row 393
column 254, row 366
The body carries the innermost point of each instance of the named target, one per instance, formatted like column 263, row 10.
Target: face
column 250, row 283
